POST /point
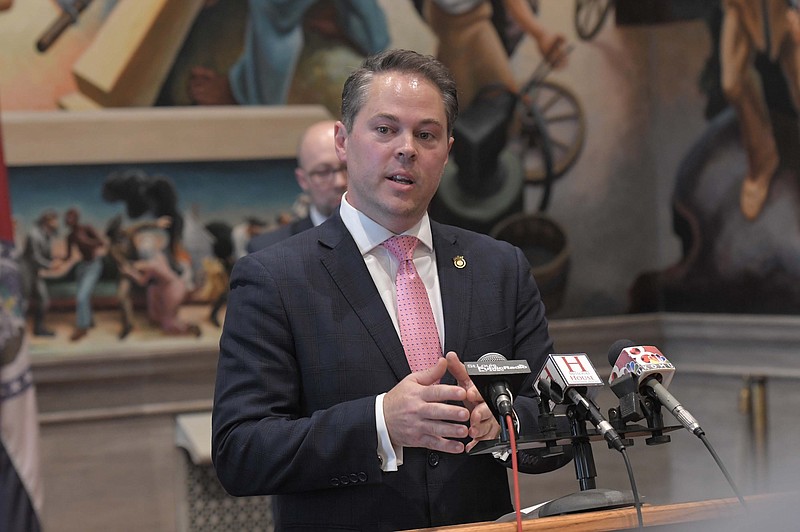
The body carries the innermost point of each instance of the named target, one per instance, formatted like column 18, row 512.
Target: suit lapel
column 341, row 257
column 455, row 285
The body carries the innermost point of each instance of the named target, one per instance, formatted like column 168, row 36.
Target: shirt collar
column 316, row 216
column 368, row 234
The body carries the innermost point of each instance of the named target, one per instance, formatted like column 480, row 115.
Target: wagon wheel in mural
column 551, row 132
column 590, row 16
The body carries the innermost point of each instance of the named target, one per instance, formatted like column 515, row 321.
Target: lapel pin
column 459, row 262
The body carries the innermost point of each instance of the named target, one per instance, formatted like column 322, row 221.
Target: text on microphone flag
column 574, row 369
column 497, row 368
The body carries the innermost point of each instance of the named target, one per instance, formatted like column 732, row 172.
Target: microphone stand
column 549, row 429
column 633, row 407
column 585, row 469
column 655, row 422
column 589, row 498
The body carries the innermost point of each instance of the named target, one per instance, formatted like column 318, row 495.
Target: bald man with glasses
column 321, row 176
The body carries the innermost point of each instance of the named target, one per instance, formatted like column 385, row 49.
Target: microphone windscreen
column 616, row 348
column 491, row 357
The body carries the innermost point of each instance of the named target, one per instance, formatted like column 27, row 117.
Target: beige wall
column 109, row 459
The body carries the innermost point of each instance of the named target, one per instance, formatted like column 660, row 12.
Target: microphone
column 497, row 378
column 653, row 373
column 565, row 379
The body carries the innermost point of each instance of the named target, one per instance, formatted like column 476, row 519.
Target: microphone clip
column 548, row 426
column 634, row 407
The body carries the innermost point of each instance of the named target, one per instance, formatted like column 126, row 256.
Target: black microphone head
column 616, row 348
column 492, row 373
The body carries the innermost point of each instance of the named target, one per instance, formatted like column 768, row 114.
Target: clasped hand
column 418, row 414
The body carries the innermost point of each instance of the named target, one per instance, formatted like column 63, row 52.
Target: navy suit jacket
column 307, row 346
column 283, row 232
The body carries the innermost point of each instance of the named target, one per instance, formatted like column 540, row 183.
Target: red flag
column 6, row 225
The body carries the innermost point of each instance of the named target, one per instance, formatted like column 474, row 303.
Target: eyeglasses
column 327, row 173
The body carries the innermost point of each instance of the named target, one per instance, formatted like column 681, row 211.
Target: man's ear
column 340, row 140
column 449, row 148
column 302, row 178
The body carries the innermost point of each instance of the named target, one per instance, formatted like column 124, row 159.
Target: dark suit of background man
column 315, row 402
column 321, row 176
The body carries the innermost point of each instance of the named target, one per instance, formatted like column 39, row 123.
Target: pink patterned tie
column 418, row 330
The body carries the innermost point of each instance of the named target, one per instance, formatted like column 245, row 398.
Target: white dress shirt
column 382, row 266
column 316, row 216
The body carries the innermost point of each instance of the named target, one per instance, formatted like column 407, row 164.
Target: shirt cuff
column 391, row 457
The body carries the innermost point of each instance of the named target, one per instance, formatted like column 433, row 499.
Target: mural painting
column 735, row 202
column 596, row 105
column 123, row 253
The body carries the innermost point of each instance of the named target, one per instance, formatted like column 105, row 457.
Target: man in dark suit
column 321, row 176
column 315, row 401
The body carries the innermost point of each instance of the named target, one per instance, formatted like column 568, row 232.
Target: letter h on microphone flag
column 21, row 491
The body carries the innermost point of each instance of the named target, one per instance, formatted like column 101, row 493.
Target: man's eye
column 425, row 135
column 382, row 130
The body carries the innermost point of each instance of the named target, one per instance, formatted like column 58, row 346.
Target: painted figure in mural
column 471, row 47
column 155, row 196
column 166, row 291
column 217, row 269
column 751, row 28
column 90, row 246
column 217, row 273
column 321, row 176
column 123, row 251
column 37, row 256
column 793, row 16
column 316, row 402
column 242, row 233
column 274, row 40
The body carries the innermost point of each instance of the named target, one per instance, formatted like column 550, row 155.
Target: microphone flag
column 569, row 371
column 643, row 361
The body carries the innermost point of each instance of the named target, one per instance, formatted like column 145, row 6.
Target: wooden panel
column 701, row 513
column 155, row 134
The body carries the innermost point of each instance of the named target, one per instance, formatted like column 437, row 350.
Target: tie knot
column 402, row 246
